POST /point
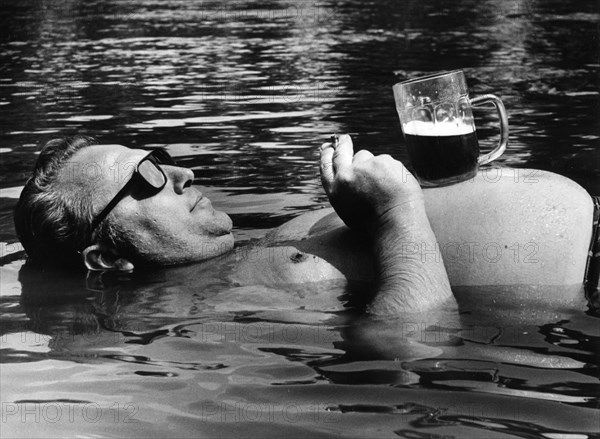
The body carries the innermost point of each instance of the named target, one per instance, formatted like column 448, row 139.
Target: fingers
column 338, row 157
column 362, row 156
column 342, row 156
column 326, row 165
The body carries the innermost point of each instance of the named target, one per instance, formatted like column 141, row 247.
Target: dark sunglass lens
column 152, row 174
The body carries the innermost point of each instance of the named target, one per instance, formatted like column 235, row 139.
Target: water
column 243, row 93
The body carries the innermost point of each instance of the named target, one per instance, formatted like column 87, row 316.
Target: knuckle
column 384, row 161
column 327, row 174
column 336, row 155
column 359, row 164
column 325, row 166
column 344, row 176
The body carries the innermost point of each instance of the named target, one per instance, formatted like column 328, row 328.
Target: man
column 116, row 208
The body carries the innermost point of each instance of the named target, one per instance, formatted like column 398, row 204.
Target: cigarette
column 335, row 138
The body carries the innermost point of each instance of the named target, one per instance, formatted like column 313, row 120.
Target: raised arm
column 377, row 196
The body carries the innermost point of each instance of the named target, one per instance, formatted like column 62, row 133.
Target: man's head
column 75, row 179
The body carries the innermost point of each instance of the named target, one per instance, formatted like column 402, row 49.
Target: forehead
column 101, row 165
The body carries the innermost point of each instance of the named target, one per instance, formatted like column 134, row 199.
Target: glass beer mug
column 437, row 122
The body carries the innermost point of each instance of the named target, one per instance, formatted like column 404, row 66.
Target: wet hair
column 52, row 221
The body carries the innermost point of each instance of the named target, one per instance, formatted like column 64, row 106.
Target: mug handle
column 495, row 100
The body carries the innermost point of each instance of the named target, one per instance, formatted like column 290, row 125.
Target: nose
column 182, row 178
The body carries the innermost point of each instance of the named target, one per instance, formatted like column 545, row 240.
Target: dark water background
column 243, row 92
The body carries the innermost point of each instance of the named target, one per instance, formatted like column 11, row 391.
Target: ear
column 100, row 258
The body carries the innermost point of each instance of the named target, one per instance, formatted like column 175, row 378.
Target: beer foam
column 420, row 128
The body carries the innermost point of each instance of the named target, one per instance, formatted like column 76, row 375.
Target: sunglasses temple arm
column 109, row 207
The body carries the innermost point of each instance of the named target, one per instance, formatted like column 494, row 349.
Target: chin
column 225, row 243
column 225, row 220
column 186, row 250
column 213, row 238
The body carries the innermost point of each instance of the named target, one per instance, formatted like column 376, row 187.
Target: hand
column 364, row 188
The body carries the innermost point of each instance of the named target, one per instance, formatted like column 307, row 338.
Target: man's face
column 175, row 225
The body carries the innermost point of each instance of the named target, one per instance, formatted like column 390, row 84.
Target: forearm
column 410, row 270
column 380, row 196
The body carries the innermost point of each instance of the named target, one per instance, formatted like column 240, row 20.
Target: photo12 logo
column 53, row 412
column 242, row 411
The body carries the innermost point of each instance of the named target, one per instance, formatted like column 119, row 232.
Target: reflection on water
column 182, row 351
column 243, row 93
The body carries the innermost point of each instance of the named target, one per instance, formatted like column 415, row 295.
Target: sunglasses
column 147, row 177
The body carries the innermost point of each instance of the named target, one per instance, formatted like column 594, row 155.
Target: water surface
column 243, row 93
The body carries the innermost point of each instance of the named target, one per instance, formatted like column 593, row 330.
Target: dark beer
column 442, row 155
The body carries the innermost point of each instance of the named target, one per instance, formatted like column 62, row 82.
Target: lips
column 199, row 198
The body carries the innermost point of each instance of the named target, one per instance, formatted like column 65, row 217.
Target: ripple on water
column 252, row 84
